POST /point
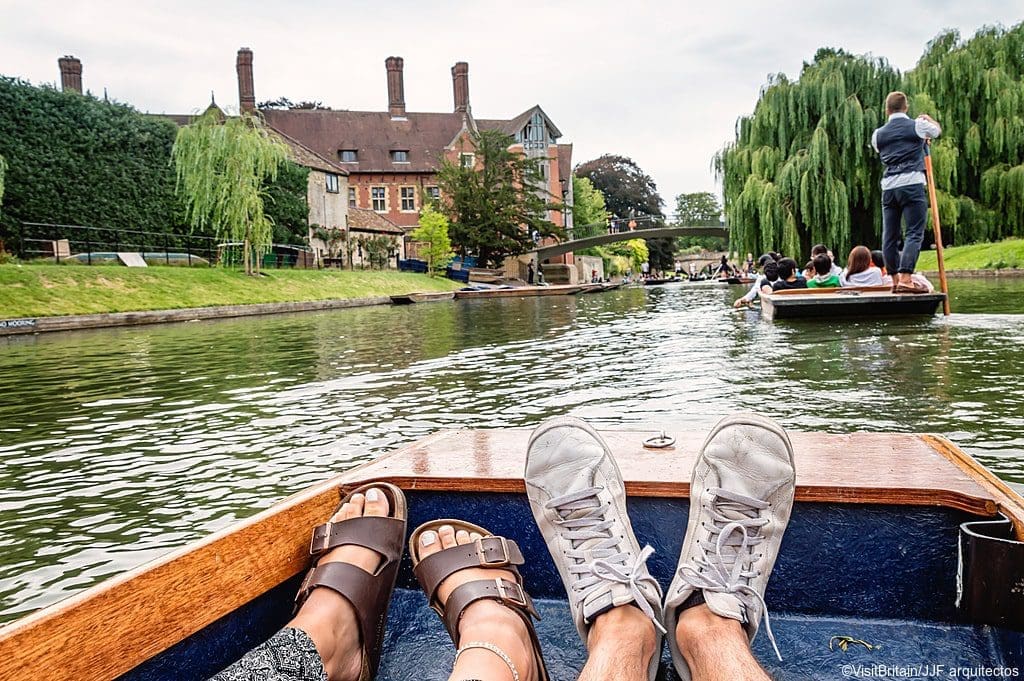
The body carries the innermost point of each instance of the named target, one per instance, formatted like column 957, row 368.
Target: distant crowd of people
column 864, row 268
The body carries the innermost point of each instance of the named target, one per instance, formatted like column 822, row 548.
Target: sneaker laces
column 595, row 551
column 722, row 566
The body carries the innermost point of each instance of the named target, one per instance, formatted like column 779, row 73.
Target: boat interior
column 901, row 547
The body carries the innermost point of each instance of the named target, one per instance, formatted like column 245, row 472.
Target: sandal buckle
column 517, row 597
column 482, row 556
column 319, row 544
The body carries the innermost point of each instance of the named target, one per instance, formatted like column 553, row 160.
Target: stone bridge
column 545, row 252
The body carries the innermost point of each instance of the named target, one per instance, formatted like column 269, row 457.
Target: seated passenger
column 823, row 276
column 770, row 273
column 822, row 249
column 808, row 272
column 859, row 269
column 879, row 261
column 787, row 276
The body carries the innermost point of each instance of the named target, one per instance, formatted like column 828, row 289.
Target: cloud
column 661, row 82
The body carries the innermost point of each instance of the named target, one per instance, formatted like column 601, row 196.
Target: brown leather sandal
column 368, row 593
column 488, row 552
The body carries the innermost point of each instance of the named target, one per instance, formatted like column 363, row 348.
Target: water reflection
column 118, row 444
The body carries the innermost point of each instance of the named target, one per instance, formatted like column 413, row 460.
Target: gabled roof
column 564, row 163
column 513, row 126
column 374, row 135
column 304, row 156
column 366, row 220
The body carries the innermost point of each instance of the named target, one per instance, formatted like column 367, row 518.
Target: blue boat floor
column 417, row 646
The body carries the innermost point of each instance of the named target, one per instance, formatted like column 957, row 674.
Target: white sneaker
column 741, row 496
column 579, row 503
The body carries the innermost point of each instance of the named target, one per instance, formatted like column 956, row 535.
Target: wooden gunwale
column 520, row 291
column 130, row 618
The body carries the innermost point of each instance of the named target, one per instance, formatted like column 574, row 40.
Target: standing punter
column 900, row 143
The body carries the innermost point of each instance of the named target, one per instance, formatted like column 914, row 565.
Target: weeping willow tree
column 221, row 166
column 976, row 91
column 800, row 170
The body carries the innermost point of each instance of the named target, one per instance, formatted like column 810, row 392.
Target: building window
column 348, row 156
column 332, row 183
column 408, row 198
column 534, row 133
column 399, row 155
column 545, row 171
column 351, row 197
column 378, row 199
column 433, row 193
column 467, row 160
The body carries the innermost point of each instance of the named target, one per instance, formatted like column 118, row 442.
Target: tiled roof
column 374, row 135
column 564, row 163
column 305, row 156
column 365, row 220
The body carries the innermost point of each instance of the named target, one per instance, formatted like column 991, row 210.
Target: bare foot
column 484, row 620
column 327, row 616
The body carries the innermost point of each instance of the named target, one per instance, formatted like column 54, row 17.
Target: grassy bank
column 1008, row 254
column 45, row 290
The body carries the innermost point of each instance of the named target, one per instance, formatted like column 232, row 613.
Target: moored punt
column 431, row 297
column 519, row 291
column 830, row 303
column 657, row 282
column 886, row 531
column 601, row 287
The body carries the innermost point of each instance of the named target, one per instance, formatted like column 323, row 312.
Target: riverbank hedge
column 45, row 290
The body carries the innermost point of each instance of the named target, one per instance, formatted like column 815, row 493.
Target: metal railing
column 101, row 245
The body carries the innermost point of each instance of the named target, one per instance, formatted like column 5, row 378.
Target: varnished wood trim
column 110, row 629
column 842, row 495
column 1006, row 500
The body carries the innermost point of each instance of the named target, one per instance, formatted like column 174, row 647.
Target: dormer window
column 399, row 155
column 534, row 134
column 348, row 155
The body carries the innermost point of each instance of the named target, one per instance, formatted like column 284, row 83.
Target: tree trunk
column 246, row 255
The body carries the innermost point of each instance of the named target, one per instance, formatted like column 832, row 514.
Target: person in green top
column 823, row 276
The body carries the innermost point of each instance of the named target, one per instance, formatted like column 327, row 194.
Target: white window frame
column 467, row 160
column 411, row 190
column 353, row 197
column 354, row 152
column 399, row 151
column 332, row 183
column 383, row 198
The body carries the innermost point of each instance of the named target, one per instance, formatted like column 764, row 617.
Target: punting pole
column 935, row 222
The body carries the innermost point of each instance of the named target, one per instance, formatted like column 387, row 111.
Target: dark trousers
column 908, row 203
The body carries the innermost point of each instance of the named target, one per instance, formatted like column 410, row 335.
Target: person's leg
column 892, row 213
column 483, row 621
column 716, row 648
column 322, row 641
column 914, row 200
column 620, row 645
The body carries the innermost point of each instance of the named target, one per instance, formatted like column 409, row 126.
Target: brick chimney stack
column 246, row 91
column 396, row 86
column 70, row 74
column 460, row 84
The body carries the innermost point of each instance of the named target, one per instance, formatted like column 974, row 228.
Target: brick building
column 391, row 157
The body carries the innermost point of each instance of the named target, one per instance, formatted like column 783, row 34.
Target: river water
column 118, row 445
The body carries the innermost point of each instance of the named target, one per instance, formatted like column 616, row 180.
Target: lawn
column 46, row 290
column 1008, row 254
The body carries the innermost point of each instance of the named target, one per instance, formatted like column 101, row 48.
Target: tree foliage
column 628, row 191
column 801, row 169
column 698, row 209
column 588, row 206
column 221, row 166
column 286, row 204
column 496, row 207
column 285, row 103
column 433, row 231
column 3, row 170
column 74, row 159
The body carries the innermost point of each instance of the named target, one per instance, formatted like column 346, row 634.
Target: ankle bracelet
column 494, row 649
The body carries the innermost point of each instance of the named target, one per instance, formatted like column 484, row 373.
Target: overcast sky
column 661, row 82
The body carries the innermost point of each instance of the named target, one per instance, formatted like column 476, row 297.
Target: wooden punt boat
column 433, row 297
column 901, row 541
column 861, row 301
column 658, row 282
column 519, row 291
column 601, row 287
